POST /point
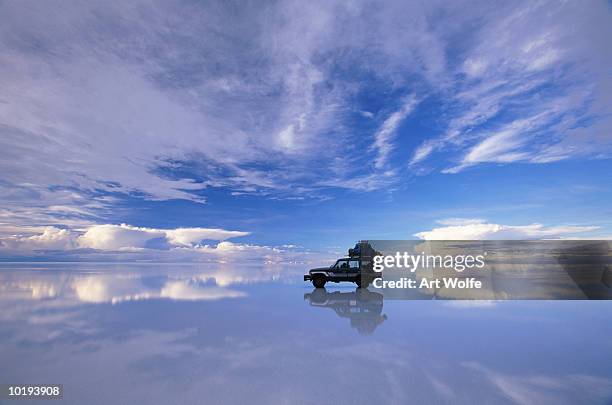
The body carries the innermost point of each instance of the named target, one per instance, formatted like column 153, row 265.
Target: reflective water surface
column 153, row 333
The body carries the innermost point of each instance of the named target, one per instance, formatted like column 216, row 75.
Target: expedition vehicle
column 356, row 268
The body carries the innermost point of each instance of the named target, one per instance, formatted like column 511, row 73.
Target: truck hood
column 318, row 269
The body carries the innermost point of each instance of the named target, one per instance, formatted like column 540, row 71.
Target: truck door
column 353, row 269
column 340, row 269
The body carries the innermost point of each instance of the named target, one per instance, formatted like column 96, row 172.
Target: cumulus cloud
column 50, row 239
column 118, row 237
column 115, row 237
column 124, row 242
column 192, row 236
column 471, row 229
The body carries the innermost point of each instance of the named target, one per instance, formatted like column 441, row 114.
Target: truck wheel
column 318, row 281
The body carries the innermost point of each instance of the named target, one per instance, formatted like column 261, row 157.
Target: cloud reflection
column 176, row 335
column 115, row 288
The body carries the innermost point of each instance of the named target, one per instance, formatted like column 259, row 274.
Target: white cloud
column 126, row 243
column 479, row 230
column 500, row 147
column 518, row 140
column 477, row 104
column 369, row 182
column 384, row 136
column 367, row 114
column 286, row 137
column 474, row 67
column 522, row 60
column 50, row 239
column 114, row 237
column 193, row 236
column 423, row 151
column 503, row 146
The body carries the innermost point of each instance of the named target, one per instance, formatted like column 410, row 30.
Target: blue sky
column 273, row 129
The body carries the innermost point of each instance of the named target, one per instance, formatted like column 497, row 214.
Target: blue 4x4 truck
column 356, row 268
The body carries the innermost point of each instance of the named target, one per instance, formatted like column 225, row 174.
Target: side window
column 354, row 264
column 344, row 264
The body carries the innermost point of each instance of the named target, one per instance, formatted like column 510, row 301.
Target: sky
column 213, row 131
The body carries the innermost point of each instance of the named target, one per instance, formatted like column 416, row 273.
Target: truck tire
column 318, row 281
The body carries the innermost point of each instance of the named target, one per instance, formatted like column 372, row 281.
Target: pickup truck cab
column 357, row 268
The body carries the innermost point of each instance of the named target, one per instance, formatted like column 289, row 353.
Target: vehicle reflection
column 362, row 307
